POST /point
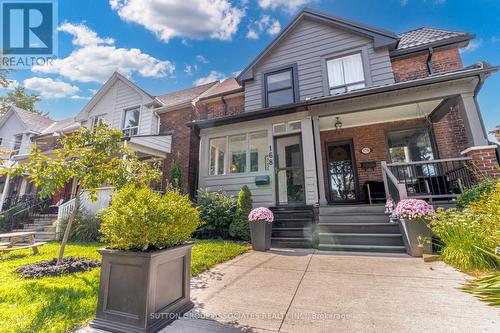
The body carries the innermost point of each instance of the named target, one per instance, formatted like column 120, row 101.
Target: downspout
column 481, row 78
column 225, row 105
column 158, row 123
column 429, row 60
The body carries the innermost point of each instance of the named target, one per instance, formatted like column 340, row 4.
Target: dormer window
column 345, row 74
column 131, row 121
column 279, row 87
column 18, row 139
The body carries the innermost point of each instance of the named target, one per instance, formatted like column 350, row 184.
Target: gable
column 11, row 125
column 378, row 37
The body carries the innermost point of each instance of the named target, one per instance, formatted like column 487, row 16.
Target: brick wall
column 184, row 145
column 215, row 108
column 449, row 134
column 415, row 66
column 485, row 161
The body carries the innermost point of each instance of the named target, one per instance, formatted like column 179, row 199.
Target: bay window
column 217, row 156
column 345, row 74
column 238, row 153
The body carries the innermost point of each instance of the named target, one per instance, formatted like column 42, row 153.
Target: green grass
column 60, row 304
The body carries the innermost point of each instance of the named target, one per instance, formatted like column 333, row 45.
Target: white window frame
column 126, row 129
column 97, row 120
column 350, row 84
column 227, row 159
column 18, row 149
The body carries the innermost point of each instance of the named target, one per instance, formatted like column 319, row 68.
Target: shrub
column 487, row 288
column 474, row 193
column 487, row 212
column 240, row 228
column 85, row 227
column 217, row 210
column 176, row 180
column 141, row 219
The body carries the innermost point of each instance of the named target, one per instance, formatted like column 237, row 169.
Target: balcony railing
column 431, row 180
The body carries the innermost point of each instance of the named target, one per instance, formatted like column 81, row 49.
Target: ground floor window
column 246, row 153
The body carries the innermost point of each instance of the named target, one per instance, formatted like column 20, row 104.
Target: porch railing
column 63, row 212
column 430, row 180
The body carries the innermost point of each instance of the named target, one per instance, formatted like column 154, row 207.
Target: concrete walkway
column 314, row 291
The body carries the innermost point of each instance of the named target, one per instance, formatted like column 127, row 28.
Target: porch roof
column 151, row 145
column 480, row 69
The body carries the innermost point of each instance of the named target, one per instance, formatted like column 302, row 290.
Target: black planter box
column 142, row 292
column 260, row 233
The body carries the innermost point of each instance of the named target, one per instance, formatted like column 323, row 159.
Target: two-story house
column 338, row 115
column 17, row 129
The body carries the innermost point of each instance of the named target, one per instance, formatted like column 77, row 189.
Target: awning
column 151, row 145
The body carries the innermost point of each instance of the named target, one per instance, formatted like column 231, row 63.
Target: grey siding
column 307, row 46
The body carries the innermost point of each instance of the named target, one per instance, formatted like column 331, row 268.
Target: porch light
column 338, row 124
column 233, row 168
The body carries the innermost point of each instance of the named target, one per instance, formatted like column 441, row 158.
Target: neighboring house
column 17, row 128
column 338, row 113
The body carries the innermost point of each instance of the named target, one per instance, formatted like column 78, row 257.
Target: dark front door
column 289, row 170
column 342, row 179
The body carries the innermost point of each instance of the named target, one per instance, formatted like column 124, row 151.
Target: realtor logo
column 28, row 28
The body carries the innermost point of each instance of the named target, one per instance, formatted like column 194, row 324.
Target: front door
column 289, row 170
column 341, row 166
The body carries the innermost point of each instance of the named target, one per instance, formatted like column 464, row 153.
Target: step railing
column 63, row 212
column 30, row 212
column 431, row 180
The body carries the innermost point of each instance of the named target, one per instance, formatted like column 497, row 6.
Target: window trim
column 295, row 83
column 426, row 127
column 15, row 150
column 139, row 107
column 94, row 118
column 345, row 85
column 365, row 60
column 227, row 160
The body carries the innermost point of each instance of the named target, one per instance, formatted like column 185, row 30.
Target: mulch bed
column 49, row 268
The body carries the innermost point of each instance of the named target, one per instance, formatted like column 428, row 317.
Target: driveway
column 314, row 291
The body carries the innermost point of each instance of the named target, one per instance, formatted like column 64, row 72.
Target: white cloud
column 213, row 76
column 95, row 59
column 473, row 45
column 201, row 59
column 289, row 6
column 93, row 91
column 82, row 35
column 197, row 19
column 190, row 69
column 49, row 88
column 265, row 23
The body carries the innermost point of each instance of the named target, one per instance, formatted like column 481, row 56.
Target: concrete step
column 361, row 239
column 361, row 217
column 338, row 209
column 369, row 228
column 292, row 223
column 40, row 235
column 291, row 242
column 292, row 232
column 34, row 227
column 362, row 248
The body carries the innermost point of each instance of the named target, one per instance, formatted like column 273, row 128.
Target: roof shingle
column 184, row 96
column 422, row 36
column 33, row 121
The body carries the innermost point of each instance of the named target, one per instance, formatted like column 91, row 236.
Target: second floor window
column 279, row 88
column 131, row 121
column 18, row 139
column 97, row 121
column 345, row 74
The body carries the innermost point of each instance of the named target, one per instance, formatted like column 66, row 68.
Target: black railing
column 21, row 215
column 435, row 179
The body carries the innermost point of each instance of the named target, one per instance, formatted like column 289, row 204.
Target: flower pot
column 260, row 233
column 412, row 230
column 143, row 291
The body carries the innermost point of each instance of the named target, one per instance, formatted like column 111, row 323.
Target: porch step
column 362, row 248
column 40, row 235
column 361, row 239
column 370, row 228
column 292, row 226
column 361, row 217
column 360, row 208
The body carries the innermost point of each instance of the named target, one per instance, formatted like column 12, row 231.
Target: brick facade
column 414, row 66
column 484, row 160
column 185, row 142
column 449, row 134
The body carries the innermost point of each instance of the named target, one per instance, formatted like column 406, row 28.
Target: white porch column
column 24, row 185
column 319, row 161
column 4, row 192
column 476, row 134
column 311, row 186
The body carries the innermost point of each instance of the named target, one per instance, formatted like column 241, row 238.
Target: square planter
column 260, row 233
column 142, row 292
column 412, row 230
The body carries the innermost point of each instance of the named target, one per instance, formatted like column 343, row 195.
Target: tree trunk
column 68, row 227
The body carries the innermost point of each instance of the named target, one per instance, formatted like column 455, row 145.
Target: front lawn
column 59, row 304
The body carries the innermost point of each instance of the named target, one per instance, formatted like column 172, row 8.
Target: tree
column 91, row 158
column 176, row 179
column 19, row 98
column 240, row 228
column 4, row 82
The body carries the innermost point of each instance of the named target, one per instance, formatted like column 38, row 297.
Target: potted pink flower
column 261, row 220
column 413, row 216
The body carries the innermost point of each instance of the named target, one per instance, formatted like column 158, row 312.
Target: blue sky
column 175, row 45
